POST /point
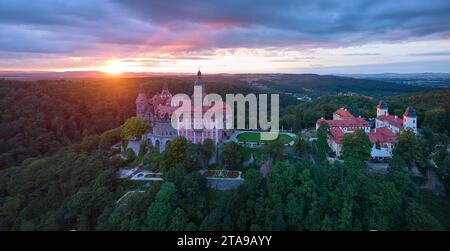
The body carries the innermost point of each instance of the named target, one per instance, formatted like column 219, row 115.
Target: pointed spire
column 142, row 97
column 199, row 80
column 410, row 112
column 382, row 105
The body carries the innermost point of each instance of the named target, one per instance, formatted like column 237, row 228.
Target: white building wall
column 334, row 147
column 382, row 112
column 409, row 122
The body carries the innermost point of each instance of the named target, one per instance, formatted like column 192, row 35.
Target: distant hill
column 425, row 75
column 311, row 85
column 427, row 79
column 317, row 85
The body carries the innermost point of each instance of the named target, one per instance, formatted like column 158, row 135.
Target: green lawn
column 256, row 137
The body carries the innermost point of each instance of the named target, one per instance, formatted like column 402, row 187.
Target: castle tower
column 199, row 83
column 382, row 109
column 141, row 103
column 199, row 80
column 410, row 119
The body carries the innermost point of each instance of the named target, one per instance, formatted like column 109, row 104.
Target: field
column 256, row 137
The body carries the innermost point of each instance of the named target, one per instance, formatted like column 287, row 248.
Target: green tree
column 153, row 158
column 356, row 146
column 231, row 155
column 158, row 216
column 175, row 175
column 133, row 128
column 175, row 153
column 301, row 145
column 142, row 149
column 103, row 145
column 159, row 211
column 167, row 193
column 178, row 220
column 90, row 143
column 418, row 220
column 386, row 209
column 131, row 156
column 274, row 148
column 195, row 157
column 410, row 149
column 209, row 148
column 109, row 138
column 322, row 141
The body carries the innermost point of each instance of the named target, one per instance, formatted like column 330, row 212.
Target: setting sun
column 114, row 68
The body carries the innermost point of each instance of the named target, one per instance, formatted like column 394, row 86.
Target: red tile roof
column 391, row 119
column 382, row 135
column 337, row 135
column 344, row 114
column 355, row 122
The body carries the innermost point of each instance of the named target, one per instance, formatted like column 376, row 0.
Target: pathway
column 127, row 194
column 433, row 183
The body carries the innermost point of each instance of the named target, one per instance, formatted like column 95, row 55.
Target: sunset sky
column 225, row 36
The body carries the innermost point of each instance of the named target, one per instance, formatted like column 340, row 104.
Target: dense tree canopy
column 231, row 155
column 133, row 128
column 322, row 141
column 37, row 118
column 356, row 146
column 411, row 150
column 433, row 109
column 65, row 191
column 59, row 172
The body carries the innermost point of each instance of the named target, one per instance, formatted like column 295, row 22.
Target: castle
column 383, row 137
column 157, row 111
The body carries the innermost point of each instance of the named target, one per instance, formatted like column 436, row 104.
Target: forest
column 433, row 108
column 77, row 189
column 59, row 173
column 39, row 117
column 319, row 85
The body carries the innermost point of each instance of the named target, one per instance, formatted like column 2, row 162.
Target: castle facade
column 158, row 110
column 383, row 137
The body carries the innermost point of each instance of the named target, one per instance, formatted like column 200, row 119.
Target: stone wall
column 223, row 183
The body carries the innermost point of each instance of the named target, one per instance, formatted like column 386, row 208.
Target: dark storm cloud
column 126, row 26
column 308, row 23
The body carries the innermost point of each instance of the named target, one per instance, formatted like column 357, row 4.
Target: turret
column 410, row 119
column 382, row 109
column 199, row 80
column 141, row 103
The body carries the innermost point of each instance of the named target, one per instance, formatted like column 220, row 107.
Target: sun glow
column 114, row 68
